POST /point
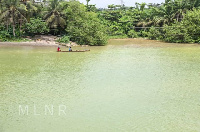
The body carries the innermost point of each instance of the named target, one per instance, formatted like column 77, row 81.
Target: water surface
column 128, row 85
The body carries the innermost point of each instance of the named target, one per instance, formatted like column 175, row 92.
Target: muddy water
column 128, row 85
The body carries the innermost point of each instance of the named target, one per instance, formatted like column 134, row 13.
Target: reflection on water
column 128, row 85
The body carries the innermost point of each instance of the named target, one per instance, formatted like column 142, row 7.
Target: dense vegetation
column 172, row 21
column 69, row 19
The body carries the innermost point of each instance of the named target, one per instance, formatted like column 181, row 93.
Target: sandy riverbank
column 32, row 43
column 39, row 43
column 129, row 41
column 51, row 41
column 40, row 40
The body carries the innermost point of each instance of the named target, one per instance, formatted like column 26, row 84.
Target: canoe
column 75, row 51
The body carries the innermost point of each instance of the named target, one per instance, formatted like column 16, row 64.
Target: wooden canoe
column 75, row 51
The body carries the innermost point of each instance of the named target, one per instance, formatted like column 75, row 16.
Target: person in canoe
column 58, row 49
column 70, row 48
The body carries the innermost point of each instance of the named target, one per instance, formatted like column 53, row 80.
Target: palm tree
column 55, row 17
column 166, row 13
column 193, row 4
column 31, row 8
column 1, row 3
column 87, row 2
column 13, row 13
column 180, row 7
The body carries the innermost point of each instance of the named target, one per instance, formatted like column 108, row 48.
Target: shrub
column 144, row 34
column 36, row 27
column 191, row 22
column 84, row 27
column 186, row 31
column 177, row 33
column 63, row 39
column 4, row 35
column 154, row 34
column 132, row 34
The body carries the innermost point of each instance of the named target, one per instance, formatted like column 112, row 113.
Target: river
column 129, row 85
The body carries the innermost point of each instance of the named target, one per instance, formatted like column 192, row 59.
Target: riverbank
column 40, row 40
column 40, row 43
column 32, row 43
column 147, row 42
column 128, row 41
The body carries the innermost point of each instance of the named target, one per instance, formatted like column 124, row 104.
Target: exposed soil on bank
column 51, row 41
column 40, row 40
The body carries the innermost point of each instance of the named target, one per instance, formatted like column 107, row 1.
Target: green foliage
column 176, row 33
column 121, row 22
column 154, row 34
column 12, row 13
column 86, row 24
column 4, row 35
column 144, row 33
column 186, row 31
column 35, row 27
column 54, row 16
column 191, row 22
column 132, row 34
column 84, row 27
column 63, row 39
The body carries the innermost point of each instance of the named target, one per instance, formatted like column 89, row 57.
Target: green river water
column 126, row 86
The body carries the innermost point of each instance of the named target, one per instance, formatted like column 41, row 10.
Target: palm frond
column 5, row 15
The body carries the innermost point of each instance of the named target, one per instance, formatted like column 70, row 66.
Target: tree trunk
column 87, row 3
column 7, row 25
column 13, row 17
column 13, row 29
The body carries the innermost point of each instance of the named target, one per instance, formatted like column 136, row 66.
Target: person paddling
column 58, row 49
column 70, row 48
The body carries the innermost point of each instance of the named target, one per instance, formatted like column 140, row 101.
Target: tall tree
column 87, row 2
column 13, row 13
column 55, row 16
column 31, row 9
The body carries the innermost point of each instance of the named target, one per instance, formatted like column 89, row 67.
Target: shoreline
column 55, row 44
column 31, row 43
column 156, row 41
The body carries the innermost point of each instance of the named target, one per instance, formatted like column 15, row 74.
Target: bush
column 84, row 27
column 144, row 34
column 64, row 39
column 154, row 34
column 191, row 22
column 115, row 29
column 177, row 34
column 36, row 27
column 186, row 31
column 132, row 34
column 4, row 35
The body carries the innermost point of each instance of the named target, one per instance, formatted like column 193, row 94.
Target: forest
column 176, row 21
